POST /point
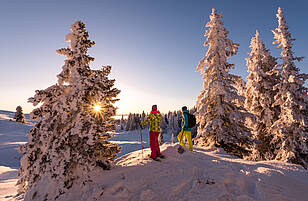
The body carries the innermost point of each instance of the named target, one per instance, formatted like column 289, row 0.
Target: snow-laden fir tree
column 240, row 85
column 19, row 115
column 129, row 122
column 164, row 125
column 122, row 123
column 222, row 121
column 260, row 97
column 173, row 122
column 71, row 138
column 143, row 116
column 194, row 130
column 132, row 122
column 179, row 119
column 291, row 129
column 173, row 125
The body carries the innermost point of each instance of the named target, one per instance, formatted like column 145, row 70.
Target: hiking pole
column 141, row 141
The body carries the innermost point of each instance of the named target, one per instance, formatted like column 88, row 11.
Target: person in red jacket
column 154, row 119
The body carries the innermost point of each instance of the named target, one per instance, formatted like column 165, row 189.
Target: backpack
column 191, row 120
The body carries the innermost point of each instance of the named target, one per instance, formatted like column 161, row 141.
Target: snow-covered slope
column 191, row 176
column 12, row 134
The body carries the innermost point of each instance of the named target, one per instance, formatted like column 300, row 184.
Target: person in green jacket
column 154, row 119
column 185, row 130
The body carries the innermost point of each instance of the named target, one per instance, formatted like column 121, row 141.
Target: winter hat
column 154, row 107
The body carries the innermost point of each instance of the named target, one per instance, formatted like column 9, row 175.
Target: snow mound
column 192, row 176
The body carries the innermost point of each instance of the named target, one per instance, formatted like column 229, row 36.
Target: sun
column 97, row 108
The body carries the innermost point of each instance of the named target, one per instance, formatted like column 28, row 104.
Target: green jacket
column 154, row 119
column 185, row 121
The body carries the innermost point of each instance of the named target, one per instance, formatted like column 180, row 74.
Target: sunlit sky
column 154, row 46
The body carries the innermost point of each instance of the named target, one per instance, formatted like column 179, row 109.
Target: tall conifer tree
column 71, row 138
column 222, row 120
column 260, row 96
column 291, row 129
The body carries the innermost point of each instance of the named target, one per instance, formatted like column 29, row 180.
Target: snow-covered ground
column 12, row 134
column 192, row 176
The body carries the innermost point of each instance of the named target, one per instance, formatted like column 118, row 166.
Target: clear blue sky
column 153, row 46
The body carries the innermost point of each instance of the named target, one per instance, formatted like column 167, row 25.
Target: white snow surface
column 12, row 135
column 205, row 174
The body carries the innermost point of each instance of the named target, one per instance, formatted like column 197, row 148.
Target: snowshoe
column 181, row 150
column 156, row 159
column 161, row 156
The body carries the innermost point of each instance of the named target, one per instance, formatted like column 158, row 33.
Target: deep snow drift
column 192, row 176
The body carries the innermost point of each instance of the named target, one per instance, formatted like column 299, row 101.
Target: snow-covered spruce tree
column 179, row 119
column 260, row 97
column 143, row 116
column 132, row 125
column 240, row 85
column 222, row 121
column 137, row 121
column 122, row 123
column 173, row 122
column 173, row 125
column 70, row 139
column 19, row 115
column 194, row 130
column 129, row 121
column 291, row 129
column 133, row 121
column 164, row 125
